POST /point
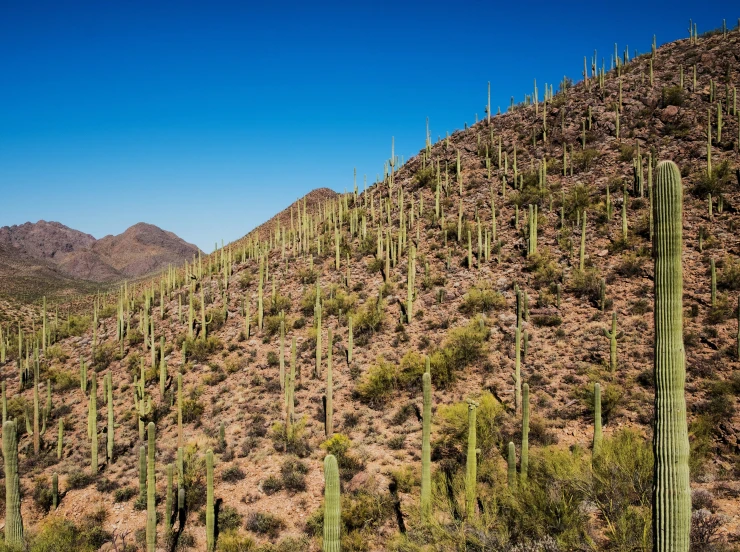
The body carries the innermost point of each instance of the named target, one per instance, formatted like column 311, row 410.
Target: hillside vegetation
column 511, row 260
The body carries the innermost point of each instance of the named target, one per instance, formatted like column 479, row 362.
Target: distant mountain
column 34, row 253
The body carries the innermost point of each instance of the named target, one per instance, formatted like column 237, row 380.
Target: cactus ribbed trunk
column 332, row 506
column 151, row 499
column 13, row 519
column 511, row 466
column 93, row 424
column 210, row 508
column 597, row 420
column 471, row 471
column 111, row 425
column 671, row 490
column 525, row 433
column 329, row 427
column 426, row 469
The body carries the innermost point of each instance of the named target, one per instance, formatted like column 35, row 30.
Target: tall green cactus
column 598, row 437
column 517, row 368
column 13, row 519
column 524, row 468
column 162, row 368
column 613, row 336
column 151, row 499
column 329, row 425
column 142, row 473
column 60, row 439
column 210, row 506
column 54, row 491
column 111, row 425
column 426, row 469
column 93, row 423
column 168, row 499
column 471, row 466
column 36, row 426
column 332, row 505
column 511, row 466
column 350, row 341
column 671, row 490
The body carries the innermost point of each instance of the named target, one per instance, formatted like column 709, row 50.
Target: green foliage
column 462, row 347
column 453, row 427
column 378, row 383
column 199, row 349
column 192, row 410
column 728, row 277
column 586, row 283
column 233, row 541
column 339, row 446
column 481, row 298
column 264, row 523
column 718, row 183
column 544, row 267
column 671, row 95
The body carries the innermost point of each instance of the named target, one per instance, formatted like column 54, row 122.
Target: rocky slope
column 270, row 488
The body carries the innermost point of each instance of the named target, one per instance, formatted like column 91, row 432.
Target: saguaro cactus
column 151, row 500
column 471, row 471
column 329, row 425
column 13, row 519
column 613, row 335
column 332, row 506
column 210, row 511
column 93, row 423
column 60, row 439
column 524, row 469
column 54, row 491
column 426, row 429
column 671, row 491
column 111, row 425
column 597, row 420
column 511, row 466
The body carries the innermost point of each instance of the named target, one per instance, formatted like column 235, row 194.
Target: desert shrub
column 368, row 321
column 453, row 427
column 271, row 325
column 577, row 201
column 216, row 317
column 192, row 410
column 56, row 533
column 339, row 445
column 482, row 299
column 76, row 326
column 717, row 183
column 671, row 95
column 630, row 265
column 411, row 369
column 272, row 358
column 338, row 301
column 245, row 280
column 544, row 267
column 278, row 303
column 232, row 474
column 293, row 473
column 200, row 349
column 378, row 383
column 77, row 479
column 264, row 523
column 272, row 485
column 462, row 347
column 293, row 442
column 584, row 160
column 728, row 277
column 55, row 352
column 124, row 494
column 42, row 495
column 63, row 380
column 233, row 541
column 103, row 355
column 425, row 177
column 586, row 283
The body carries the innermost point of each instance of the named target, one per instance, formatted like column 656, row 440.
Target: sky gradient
column 206, row 118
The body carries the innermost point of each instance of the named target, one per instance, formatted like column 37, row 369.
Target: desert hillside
column 526, row 237
column 71, row 261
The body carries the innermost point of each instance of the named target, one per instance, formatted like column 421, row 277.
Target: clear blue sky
column 206, row 118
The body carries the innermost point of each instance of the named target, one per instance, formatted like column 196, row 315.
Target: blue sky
column 205, row 118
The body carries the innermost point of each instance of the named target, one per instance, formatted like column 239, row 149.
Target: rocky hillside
column 432, row 263
column 51, row 251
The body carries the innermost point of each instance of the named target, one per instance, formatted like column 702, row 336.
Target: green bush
column 453, row 427
column 192, row 410
column 480, row 299
column 233, row 541
column 199, row 349
column 378, row 383
column 264, row 523
column 339, row 445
